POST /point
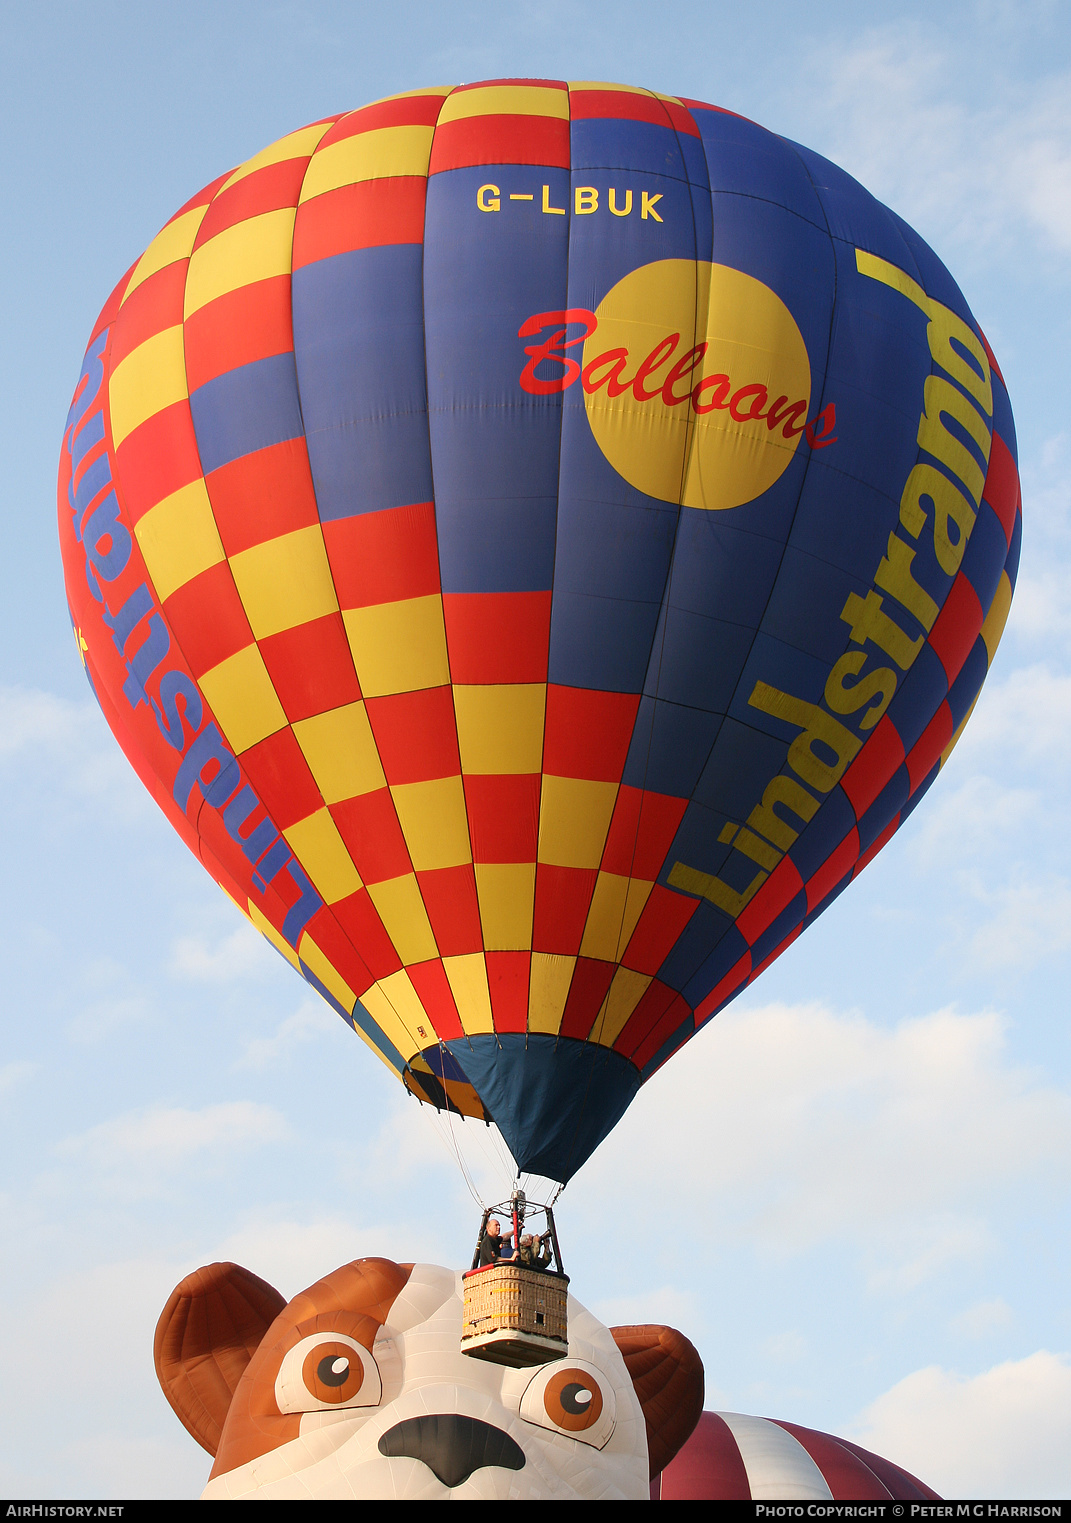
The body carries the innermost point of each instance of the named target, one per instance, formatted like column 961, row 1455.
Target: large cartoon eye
column 574, row 1398
column 326, row 1371
column 332, row 1373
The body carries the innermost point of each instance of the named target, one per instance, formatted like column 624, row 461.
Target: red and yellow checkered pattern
column 450, row 808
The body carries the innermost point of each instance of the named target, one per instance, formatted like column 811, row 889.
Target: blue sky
column 866, row 1229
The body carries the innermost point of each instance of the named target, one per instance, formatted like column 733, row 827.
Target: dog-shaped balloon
column 357, row 1388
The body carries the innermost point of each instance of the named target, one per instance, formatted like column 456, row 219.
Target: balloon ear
column 667, row 1374
column 206, row 1335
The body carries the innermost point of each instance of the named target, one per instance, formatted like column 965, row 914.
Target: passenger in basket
column 493, row 1250
column 534, row 1252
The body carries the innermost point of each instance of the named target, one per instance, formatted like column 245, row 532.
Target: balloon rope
column 445, row 1137
column 496, row 1156
column 464, row 1171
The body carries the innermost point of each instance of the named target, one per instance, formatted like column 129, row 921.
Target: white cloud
column 119, row 1465
column 73, row 742
column 983, row 1318
column 311, row 1020
column 14, row 1074
column 1040, row 611
column 1040, row 618
column 1003, row 1433
column 479, row 1152
column 1040, row 163
column 1026, row 715
column 993, row 835
column 1046, row 485
column 980, row 815
column 32, row 718
column 97, row 1020
column 807, row 1127
column 785, row 1348
column 1045, row 476
column 88, row 1333
column 995, row 168
column 1031, row 922
column 292, row 1255
column 242, row 953
column 940, row 1240
column 167, row 1137
column 120, row 1001
column 665, row 1304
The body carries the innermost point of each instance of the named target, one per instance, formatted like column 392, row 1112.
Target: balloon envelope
column 537, row 543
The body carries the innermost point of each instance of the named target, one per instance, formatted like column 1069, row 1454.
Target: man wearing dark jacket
column 492, row 1248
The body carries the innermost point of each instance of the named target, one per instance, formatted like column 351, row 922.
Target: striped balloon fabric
column 536, row 542
column 732, row 1457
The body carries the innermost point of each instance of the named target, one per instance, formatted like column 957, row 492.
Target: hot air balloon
column 730, row 1456
column 536, row 542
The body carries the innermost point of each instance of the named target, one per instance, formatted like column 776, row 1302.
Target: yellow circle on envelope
column 696, row 382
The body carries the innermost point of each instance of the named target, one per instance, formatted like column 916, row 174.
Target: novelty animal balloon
column 358, row 1388
column 537, row 543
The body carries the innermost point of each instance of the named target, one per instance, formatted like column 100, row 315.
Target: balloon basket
column 515, row 1316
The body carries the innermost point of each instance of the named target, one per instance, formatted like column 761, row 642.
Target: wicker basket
column 514, row 1315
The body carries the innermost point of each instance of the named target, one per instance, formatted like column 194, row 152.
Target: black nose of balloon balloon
column 452, row 1446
